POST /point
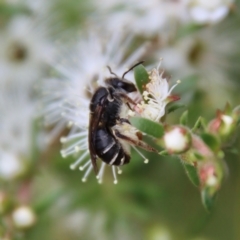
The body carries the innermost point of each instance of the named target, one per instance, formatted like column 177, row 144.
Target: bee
column 109, row 134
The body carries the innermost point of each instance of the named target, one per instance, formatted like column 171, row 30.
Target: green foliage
column 200, row 125
column 184, row 118
column 208, row 198
column 141, row 77
column 173, row 107
column 147, row 126
column 192, row 174
column 211, row 141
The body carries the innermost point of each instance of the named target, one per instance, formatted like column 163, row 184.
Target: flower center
column 17, row 52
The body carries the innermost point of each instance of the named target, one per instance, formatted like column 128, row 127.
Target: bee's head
column 121, row 84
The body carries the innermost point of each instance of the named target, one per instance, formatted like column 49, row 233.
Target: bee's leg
column 127, row 98
column 123, row 120
column 129, row 106
column 134, row 142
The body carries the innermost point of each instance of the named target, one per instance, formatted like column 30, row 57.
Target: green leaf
column 228, row 109
column 141, row 77
column 236, row 112
column 192, row 174
column 147, row 126
column 207, row 199
column 211, row 141
column 184, row 118
column 200, row 124
column 163, row 153
column 175, row 107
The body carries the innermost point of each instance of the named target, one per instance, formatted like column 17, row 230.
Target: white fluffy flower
column 17, row 112
column 206, row 54
column 157, row 95
column 68, row 96
column 141, row 17
column 11, row 166
column 23, row 54
column 205, row 11
column 24, row 51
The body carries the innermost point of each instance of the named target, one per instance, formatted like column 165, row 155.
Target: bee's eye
column 128, row 87
column 122, row 84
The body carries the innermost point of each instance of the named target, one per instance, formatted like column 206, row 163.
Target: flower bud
column 210, row 174
column 23, row 217
column 223, row 125
column 177, row 139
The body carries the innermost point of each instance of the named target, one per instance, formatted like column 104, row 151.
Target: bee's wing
column 93, row 123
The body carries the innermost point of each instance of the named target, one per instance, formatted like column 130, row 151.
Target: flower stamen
column 84, row 179
column 79, row 160
column 114, row 175
column 81, row 168
column 101, row 172
column 145, row 159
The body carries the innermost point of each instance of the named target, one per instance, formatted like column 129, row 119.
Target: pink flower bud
column 223, row 125
column 209, row 174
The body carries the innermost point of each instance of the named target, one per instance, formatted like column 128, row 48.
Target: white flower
column 17, row 111
column 205, row 11
column 156, row 96
column 23, row 217
column 23, row 54
column 24, row 51
column 68, row 96
column 141, row 17
column 206, row 55
column 16, row 121
column 11, row 166
column 82, row 70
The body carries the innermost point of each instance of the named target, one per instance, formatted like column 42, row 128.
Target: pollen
column 131, row 113
column 63, row 153
column 62, row 139
column 77, row 149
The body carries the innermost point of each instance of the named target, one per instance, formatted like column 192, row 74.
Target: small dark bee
column 106, row 140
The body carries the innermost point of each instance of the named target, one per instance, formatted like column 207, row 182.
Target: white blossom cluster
column 25, row 50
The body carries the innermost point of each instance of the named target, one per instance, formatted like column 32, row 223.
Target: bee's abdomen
column 109, row 149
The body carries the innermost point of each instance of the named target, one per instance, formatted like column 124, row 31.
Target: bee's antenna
column 110, row 70
column 131, row 68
